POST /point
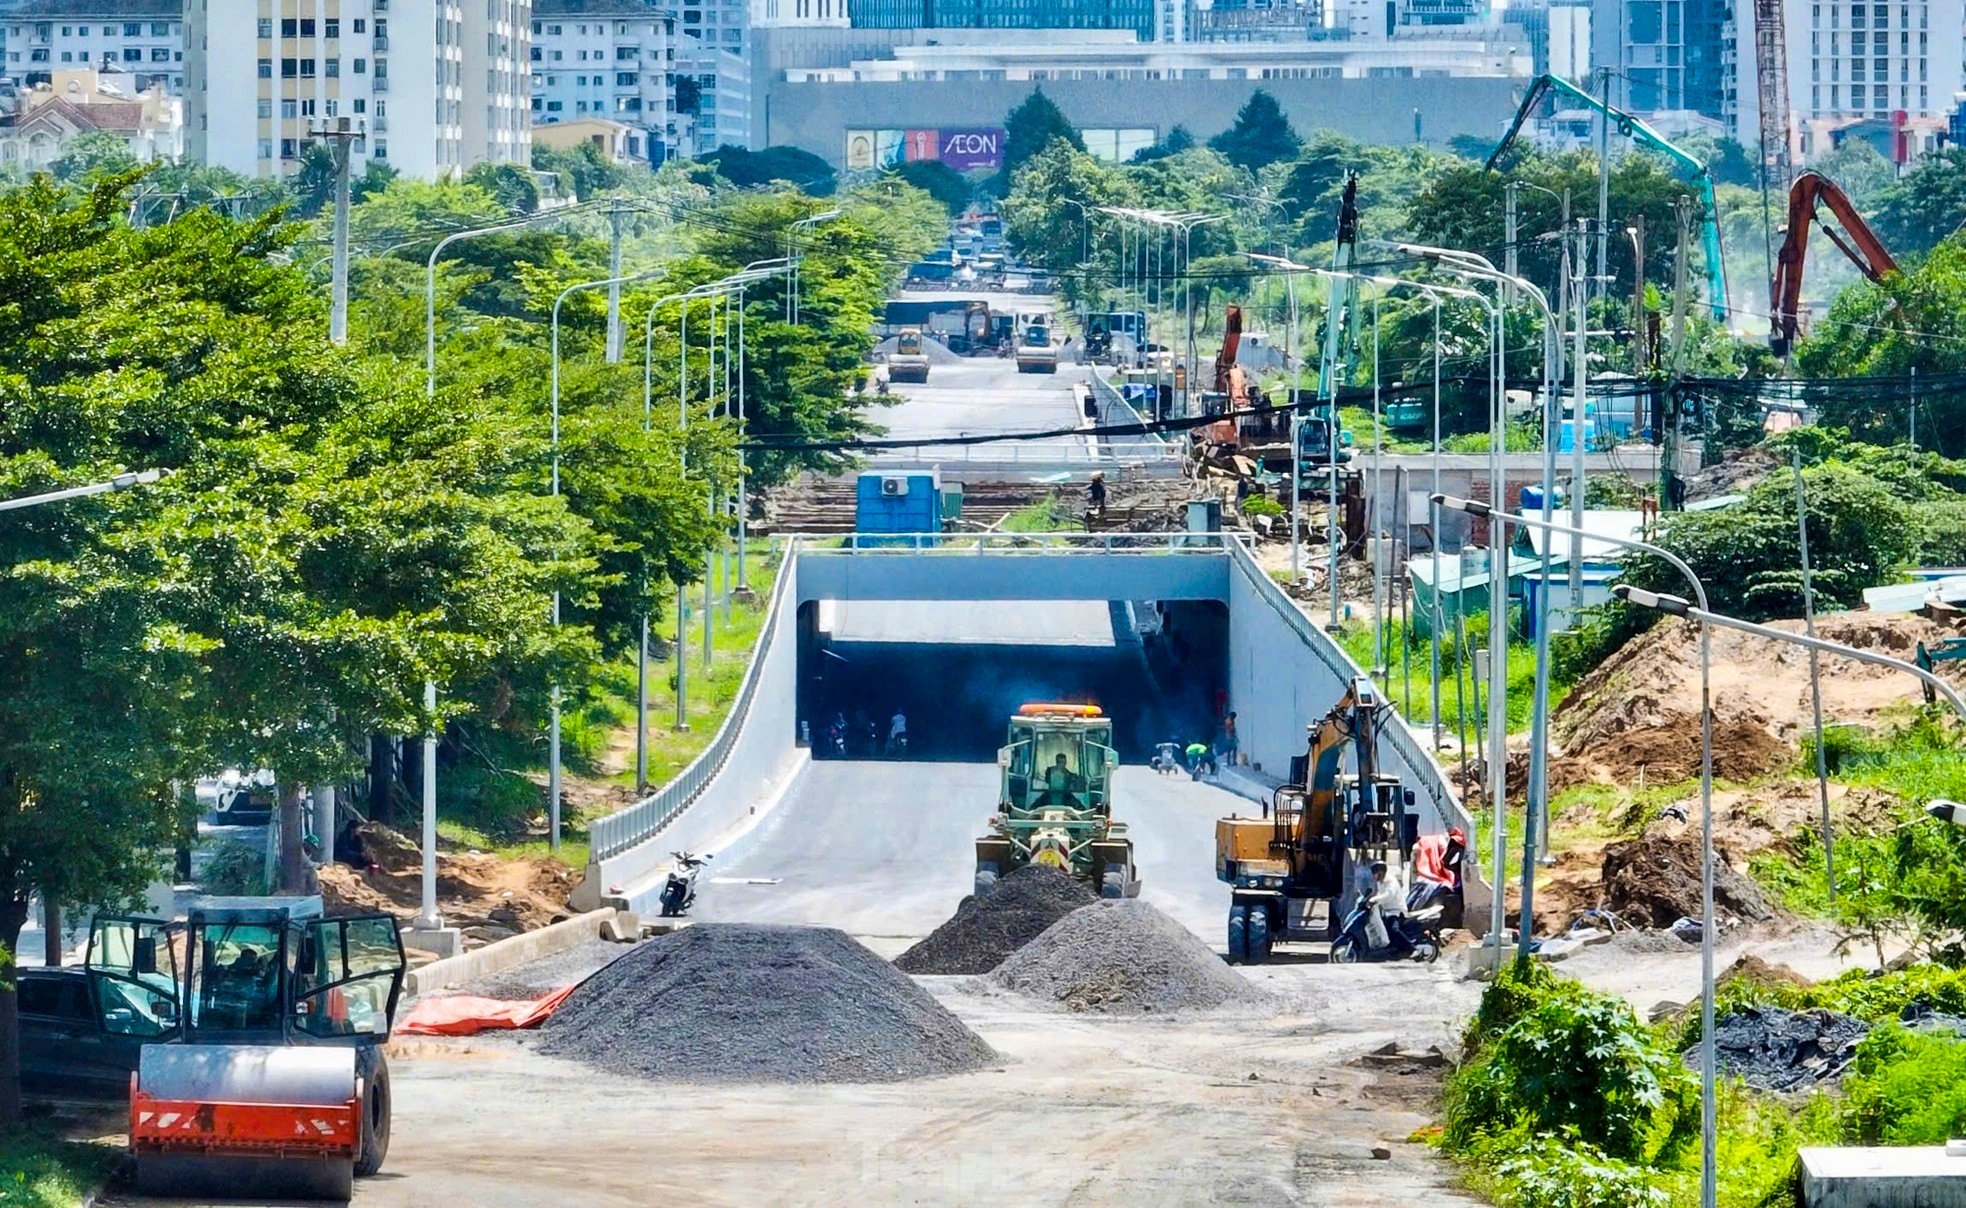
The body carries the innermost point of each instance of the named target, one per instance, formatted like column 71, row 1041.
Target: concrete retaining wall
column 507, row 953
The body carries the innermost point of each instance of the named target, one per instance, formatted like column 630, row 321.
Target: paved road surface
column 980, row 395
column 885, row 851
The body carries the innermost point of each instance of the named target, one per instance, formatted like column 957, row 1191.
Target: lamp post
column 553, row 723
column 791, row 255
column 1186, row 223
column 120, row 482
column 1576, row 534
column 430, row 284
column 1085, row 234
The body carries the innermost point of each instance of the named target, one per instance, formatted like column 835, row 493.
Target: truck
column 1055, row 804
column 909, row 360
column 1037, row 350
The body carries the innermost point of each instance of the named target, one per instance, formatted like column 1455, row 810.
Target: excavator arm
column 1645, row 136
column 1225, row 361
column 1353, row 722
column 1811, row 190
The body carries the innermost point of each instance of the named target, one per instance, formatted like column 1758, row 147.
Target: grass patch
column 1045, row 516
column 38, row 1169
column 1408, row 682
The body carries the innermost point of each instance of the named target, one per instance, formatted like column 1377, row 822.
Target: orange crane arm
column 1810, row 190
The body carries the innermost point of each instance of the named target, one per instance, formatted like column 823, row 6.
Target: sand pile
column 731, row 1002
column 1654, row 881
column 988, row 927
column 1124, row 957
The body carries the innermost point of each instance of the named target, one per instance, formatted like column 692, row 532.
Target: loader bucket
column 260, row 1121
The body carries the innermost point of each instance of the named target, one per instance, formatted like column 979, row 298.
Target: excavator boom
column 1810, row 190
column 1231, row 342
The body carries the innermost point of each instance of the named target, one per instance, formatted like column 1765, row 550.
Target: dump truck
column 909, row 360
column 1321, row 827
column 262, row 1020
column 1055, row 802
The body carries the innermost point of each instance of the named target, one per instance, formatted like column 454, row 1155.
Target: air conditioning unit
column 894, row 485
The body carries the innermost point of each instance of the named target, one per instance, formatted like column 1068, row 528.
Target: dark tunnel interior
column 1162, row 678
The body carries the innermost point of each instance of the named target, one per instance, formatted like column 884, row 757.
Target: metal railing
column 638, row 823
column 1008, row 453
column 814, row 545
column 1111, row 400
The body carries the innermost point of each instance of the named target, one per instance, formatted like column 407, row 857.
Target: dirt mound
column 1778, row 1050
column 1124, row 958
column 1754, row 971
column 732, row 1002
column 1654, row 880
column 488, row 897
column 987, row 928
column 1641, row 708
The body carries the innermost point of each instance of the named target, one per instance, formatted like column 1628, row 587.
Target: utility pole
column 340, row 133
column 1603, row 173
column 1579, row 471
column 615, row 214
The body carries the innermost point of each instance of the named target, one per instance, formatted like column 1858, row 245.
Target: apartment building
column 141, row 38
column 609, row 59
column 435, row 89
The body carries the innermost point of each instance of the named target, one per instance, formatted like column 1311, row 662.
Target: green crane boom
column 1645, row 136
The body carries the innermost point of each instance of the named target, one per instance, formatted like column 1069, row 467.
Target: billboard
column 966, row 149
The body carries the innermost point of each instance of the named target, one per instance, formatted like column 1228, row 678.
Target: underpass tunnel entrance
column 957, row 671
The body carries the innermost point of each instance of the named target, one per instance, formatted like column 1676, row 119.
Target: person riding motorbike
column 1438, row 862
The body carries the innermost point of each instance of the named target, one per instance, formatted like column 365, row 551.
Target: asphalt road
column 885, row 850
column 974, row 396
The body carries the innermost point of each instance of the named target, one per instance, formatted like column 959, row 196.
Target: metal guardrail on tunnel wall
column 1110, row 397
column 636, row 824
column 1406, row 744
column 1017, row 543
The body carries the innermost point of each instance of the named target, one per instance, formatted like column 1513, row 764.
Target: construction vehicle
column 261, row 1070
column 1645, row 136
column 1322, row 826
column 909, row 360
column 1037, row 351
column 1928, row 658
column 1864, row 249
column 1055, row 806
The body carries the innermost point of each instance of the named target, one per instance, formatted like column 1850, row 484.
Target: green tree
column 516, row 188
column 313, row 181
column 1028, row 130
column 1859, row 171
column 1261, row 135
column 1925, row 205
column 95, row 153
column 1174, row 142
column 585, row 171
column 792, row 165
column 939, row 181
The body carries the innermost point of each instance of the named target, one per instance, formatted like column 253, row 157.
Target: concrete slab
column 1878, row 1177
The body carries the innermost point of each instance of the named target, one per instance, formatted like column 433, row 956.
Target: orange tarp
column 464, row 1014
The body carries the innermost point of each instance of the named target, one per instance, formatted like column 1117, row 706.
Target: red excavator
column 1234, row 398
column 1863, row 249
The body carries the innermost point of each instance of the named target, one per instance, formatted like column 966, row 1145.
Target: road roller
column 261, row 1072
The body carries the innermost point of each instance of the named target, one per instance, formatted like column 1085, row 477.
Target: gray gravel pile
column 1124, row 958
column 988, row 927
column 1780, row 1050
column 732, row 1002
column 1648, row 943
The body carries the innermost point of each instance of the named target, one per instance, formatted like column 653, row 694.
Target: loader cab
column 1058, row 756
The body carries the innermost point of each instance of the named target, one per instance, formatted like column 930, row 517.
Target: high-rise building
column 1664, row 55
column 613, row 59
column 433, row 90
column 722, row 103
column 1853, row 62
column 142, row 38
column 1144, row 17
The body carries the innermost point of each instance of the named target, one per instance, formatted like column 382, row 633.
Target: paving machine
column 909, row 360
column 1055, row 806
column 1322, row 826
column 261, row 1072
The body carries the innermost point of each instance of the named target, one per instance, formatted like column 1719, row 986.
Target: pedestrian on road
column 1095, row 496
column 1229, row 744
column 897, row 735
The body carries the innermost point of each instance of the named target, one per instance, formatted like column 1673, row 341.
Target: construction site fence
column 640, row 822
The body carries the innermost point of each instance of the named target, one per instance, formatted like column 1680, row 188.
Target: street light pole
column 121, row 482
column 791, row 254
column 430, row 284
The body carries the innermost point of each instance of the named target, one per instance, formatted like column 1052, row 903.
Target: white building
column 798, row 14
column 609, row 59
column 433, row 90
column 723, row 112
column 144, row 38
column 82, row 101
column 1851, row 63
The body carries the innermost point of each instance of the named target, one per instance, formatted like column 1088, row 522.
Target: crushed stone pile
column 733, row 1002
column 938, row 353
column 1779, row 1050
column 1654, row 881
column 1124, row 958
column 987, row 928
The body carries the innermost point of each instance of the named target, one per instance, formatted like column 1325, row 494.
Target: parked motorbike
column 1414, row 936
column 680, row 892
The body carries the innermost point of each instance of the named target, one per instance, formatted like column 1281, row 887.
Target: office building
column 613, row 60
column 1143, row 17
column 1664, row 55
column 722, row 108
column 433, row 91
column 141, row 38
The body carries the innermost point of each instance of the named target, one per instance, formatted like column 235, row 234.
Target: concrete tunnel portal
column 959, row 669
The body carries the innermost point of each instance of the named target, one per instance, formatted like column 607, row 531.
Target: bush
column 1906, row 1088
column 236, row 870
column 1570, row 1173
column 1262, row 505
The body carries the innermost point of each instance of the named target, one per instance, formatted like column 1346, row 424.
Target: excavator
column 1234, row 397
column 1320, row 827
column 261, row 1022
column 1810, row 191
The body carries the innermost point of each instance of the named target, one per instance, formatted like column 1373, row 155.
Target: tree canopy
column 1029, row 130
column 1261, row 136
